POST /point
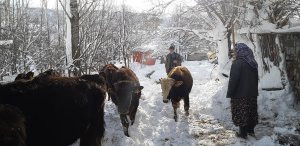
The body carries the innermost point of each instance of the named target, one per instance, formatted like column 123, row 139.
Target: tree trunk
column 58, row 25
column 75, row 36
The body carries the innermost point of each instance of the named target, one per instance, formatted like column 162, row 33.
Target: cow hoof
column 175, row 118
column 187, row 113
column 132, row 122
column 126, row 133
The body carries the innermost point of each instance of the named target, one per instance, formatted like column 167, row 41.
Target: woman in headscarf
column 243, row 90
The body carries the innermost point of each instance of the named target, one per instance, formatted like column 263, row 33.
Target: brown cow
column 59, row 110
column 12, row 126
column 108, row 71
column 177, row 86
column 126, row 93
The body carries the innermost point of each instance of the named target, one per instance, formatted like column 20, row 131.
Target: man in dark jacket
column 243, row 90
column 173, row 59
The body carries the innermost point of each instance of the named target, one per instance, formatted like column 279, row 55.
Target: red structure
column 143, row 57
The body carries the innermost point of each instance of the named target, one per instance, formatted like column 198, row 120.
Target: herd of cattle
column 51, row 110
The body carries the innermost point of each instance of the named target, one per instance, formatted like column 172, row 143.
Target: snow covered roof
column 6, row 42
column 289, row 30
column 141, row 49
column 146, row 48
column 293, row 27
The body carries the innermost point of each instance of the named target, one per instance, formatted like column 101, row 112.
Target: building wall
column 283, row 50
column 197, row 57
column 143, row 58
column 291, row 46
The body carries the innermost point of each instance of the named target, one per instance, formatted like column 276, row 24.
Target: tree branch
column 68, row 15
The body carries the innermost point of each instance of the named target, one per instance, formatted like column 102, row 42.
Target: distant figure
column 162, row 59
column 243, row 90
column 173, row 59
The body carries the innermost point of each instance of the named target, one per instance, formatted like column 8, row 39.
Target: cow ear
column 30, row 74
column 138, row 89
column 178, row 83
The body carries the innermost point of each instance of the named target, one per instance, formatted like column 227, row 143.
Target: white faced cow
column 177, row 86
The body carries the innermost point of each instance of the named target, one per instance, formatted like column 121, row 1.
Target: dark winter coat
column 169, row 65
column 243, row 81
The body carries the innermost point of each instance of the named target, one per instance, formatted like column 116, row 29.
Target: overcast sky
column 136, row 5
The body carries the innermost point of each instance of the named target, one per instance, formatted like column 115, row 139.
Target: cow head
column 125, row 91
column 108, row 72
column 166, row 86
column 96, row 78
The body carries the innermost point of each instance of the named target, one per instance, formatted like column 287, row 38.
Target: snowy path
column 209, row 122
column 155, row 124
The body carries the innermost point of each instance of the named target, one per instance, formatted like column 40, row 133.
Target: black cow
column 59, row 110
column 23, row 76
column 12, row 126
column 126, row 92
column 48, row 74
column 177, row 86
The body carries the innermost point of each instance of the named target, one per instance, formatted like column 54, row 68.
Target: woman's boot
column 242, row 132
column 250, row 130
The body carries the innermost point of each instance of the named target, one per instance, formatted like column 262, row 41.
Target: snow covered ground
column 209, row 122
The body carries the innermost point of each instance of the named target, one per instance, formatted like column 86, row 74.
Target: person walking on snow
column 243, row 90
column 173, row 59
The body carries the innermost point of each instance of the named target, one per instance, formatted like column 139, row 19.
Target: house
column 143, row 55
column 281, row 48
column 197, row 56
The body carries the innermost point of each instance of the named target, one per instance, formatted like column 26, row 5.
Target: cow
column 48, row 74
column 23, row 76
column 59, row 110
column 12, row 126
column 126, row 92
column 177, row 86
column 99, row 79
column 108, row 71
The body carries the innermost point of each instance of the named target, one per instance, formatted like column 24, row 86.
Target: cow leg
column 108, row 97
column 89, row 138
column 114, row 99
column 132, row 115
column 175, row 106
column 186, row 104
column 95, row 130
column 134, row 107
column 125, row 124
